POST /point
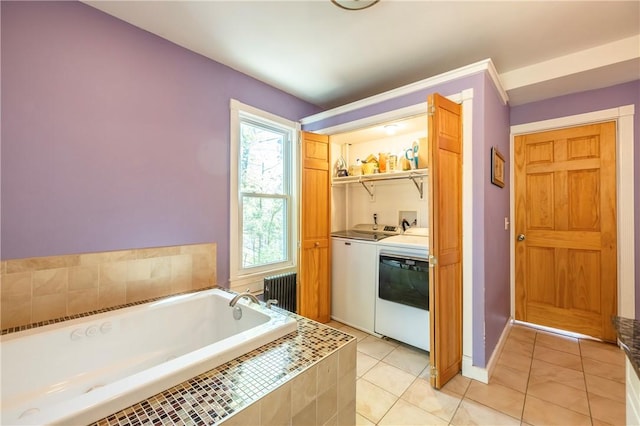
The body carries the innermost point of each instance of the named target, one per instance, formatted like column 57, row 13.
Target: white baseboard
column 483, row 374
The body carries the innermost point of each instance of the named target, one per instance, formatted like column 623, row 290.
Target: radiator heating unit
column 282, row 288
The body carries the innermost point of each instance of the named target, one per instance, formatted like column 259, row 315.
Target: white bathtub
column 79, row 371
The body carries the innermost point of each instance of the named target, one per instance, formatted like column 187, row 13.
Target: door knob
column 316, row 244
column 521, row 237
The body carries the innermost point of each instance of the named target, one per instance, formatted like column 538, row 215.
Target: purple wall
column 595, row 100
column 497, row 289
column 113, row 138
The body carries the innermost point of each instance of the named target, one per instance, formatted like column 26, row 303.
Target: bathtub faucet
column 248, row 295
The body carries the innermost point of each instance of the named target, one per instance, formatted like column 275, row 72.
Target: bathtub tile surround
column 41, row 289
column 303, row 378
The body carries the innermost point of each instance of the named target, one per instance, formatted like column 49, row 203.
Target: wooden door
column 445, row 238
column 565, row 194
column 315, row 273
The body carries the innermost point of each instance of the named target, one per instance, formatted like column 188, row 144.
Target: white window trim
column 253, row 281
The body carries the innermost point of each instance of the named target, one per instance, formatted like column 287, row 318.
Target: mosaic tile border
column 214, row 396
column 16, row 329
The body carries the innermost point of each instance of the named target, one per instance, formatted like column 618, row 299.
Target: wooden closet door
column 445, row 238
column 315, row 257
column 566, row 253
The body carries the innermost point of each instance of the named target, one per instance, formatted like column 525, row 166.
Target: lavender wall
column 497, row 289
column 595, row 100
column 113, row 138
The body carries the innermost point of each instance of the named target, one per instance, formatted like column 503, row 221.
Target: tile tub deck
column 306, row 377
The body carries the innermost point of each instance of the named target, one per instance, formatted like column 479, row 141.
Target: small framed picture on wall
column 497, row 167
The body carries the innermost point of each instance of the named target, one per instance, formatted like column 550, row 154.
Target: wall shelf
column 416, row 176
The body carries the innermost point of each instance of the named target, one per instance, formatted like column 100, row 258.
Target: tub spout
column 237, row 297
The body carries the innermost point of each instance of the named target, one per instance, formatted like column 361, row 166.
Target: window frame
column 252, row 277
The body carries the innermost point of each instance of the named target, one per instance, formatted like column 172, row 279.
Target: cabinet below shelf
column 412, row 175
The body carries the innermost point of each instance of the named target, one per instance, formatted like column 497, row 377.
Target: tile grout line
column 526, row 389
column 584, row 377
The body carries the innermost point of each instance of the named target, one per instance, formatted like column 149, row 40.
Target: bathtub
column 82, row 370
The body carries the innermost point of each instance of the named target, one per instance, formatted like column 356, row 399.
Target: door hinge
column 433, row 261
column 434, row 371
column 431, row 110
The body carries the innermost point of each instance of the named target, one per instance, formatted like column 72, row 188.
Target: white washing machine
column 402, row 288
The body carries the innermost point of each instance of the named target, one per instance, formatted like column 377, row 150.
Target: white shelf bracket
column 364, row 185
column 419, row 186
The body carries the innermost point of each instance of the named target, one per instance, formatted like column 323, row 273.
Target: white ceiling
column 330, row 57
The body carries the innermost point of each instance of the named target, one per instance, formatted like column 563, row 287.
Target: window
column 262, row 193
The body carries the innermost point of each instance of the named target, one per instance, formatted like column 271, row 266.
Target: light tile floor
column 540, row 379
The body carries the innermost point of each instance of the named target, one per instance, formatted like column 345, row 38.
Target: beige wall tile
column 327, row 373
column 16, row 310
column 158, row 272
column 49, row 307
column 347, row 390
column 198, row 248
column 275, row 408
column 161, row 267
column 40, row 263
column 50, row 281
column 306, row 416
column 153, row 252
column 347, row 415
column 107, row 257
column 81, row 277
column 80, row 301
column 203, row 270
column 138, row 270
column 112, row 295
column 16, row 284
column 303, row 390
column 181, row 284
column 327, row 405
column 181, row 265
column 147, row 289
column 347, row 358
column 113, row 274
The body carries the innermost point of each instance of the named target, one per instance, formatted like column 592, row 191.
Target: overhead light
column 354, row 4
column 391, row 129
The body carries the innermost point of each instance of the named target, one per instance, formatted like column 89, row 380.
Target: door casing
column 625, row 188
